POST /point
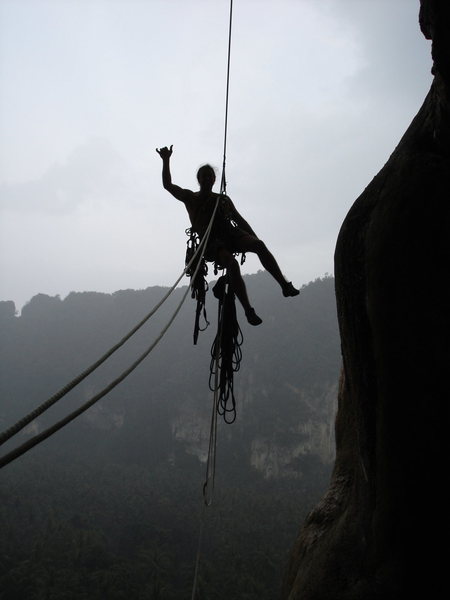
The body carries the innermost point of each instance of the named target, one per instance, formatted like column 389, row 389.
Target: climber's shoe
column 290, row 290
column 252, row 317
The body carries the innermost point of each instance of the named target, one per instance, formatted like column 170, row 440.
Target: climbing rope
column 19, row 425
column 223, row 184
column 226, row 348
column 215, row 364
column 6, row 459
column 53, row 429
column 208, row 486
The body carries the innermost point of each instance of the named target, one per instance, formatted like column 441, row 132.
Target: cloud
column 94, row 173
column 395, row 56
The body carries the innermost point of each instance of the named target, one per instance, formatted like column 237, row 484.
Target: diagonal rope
column 53, row 429
column 8, row 433
column 37, row 439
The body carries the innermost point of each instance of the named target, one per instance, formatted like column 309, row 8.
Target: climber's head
column 206, row 177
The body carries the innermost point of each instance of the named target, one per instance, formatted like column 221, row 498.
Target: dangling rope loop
column 226, row 351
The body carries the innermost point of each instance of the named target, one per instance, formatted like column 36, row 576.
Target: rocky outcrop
column 277, row 455
column 280, row 454
column 379, row 532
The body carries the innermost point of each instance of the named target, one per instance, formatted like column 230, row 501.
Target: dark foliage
column 111, row 506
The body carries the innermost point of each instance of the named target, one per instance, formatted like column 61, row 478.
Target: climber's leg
column 227, row 260
column 250, row 243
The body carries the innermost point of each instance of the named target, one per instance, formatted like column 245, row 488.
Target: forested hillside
column 110, row 506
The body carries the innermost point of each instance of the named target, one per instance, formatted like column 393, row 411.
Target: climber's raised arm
column 176, row 191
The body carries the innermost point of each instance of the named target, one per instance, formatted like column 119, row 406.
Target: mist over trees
column 110, row 506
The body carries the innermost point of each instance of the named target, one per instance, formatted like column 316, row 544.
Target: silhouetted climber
column 230, row 232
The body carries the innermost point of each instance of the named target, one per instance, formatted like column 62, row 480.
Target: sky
column 321, row 92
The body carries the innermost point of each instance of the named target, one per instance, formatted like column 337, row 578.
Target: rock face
column 274, row 456
column 380, row 531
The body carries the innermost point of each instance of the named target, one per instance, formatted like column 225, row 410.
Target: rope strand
column 223, row 183
column 211, row 462
column 19, row 425
column 7, row 458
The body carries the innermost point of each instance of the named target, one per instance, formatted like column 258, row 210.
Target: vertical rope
column 223, row 183
column 211, row 462
column 197, row 558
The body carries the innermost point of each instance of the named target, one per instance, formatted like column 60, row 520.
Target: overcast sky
column 320, row 93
